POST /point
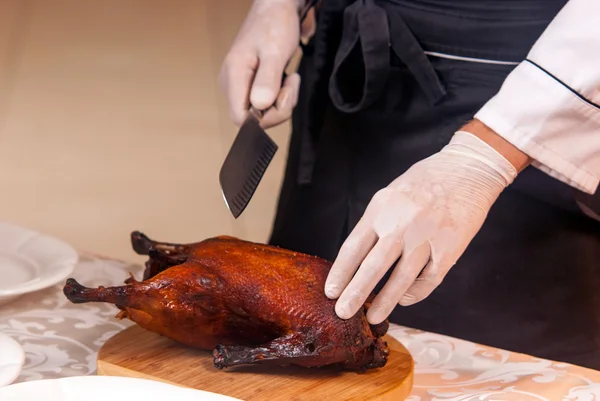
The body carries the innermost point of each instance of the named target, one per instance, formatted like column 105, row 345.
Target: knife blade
column 248, row 158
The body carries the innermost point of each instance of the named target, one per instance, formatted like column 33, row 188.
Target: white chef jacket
column 549, row 105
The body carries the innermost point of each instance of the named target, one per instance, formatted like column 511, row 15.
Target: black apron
column 372, row 103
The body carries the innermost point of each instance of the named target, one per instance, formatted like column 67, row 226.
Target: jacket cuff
column 550, row 122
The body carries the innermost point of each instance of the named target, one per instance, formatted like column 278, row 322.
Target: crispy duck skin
column 248, row 302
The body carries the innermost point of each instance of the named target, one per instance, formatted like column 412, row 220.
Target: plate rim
column 64, row 268
column 106, row 380
column 19, row 364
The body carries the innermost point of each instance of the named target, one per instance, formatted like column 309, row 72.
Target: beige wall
column 111, row 120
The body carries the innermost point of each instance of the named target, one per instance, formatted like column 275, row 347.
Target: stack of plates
column 29, row 262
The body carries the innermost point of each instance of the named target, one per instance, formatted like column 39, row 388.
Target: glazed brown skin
column 247, row 302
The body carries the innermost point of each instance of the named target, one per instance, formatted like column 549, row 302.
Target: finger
column 236, row 77
column 431, row 276
column 285, row 103
column 371, row 271
column 405, row 273
column 267, row 81
column 351, row 254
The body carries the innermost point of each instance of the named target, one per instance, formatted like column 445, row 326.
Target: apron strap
column 369, row 31
column 365, row 34
column 407, row 48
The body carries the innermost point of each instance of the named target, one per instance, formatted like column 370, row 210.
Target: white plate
column 103, row 388
column 30, row 261
column 12, row 358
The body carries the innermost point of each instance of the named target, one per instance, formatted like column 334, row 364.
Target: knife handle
column 307, row 6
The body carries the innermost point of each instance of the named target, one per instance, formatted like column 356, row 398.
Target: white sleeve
column 549, row 105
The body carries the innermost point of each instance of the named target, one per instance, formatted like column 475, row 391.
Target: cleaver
column 249, row 156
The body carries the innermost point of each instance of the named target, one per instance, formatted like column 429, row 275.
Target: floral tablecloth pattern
column 62, row 339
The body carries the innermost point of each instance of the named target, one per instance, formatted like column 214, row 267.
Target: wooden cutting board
column 135, row 352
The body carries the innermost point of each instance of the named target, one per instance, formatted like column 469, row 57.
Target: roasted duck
column 248, row 302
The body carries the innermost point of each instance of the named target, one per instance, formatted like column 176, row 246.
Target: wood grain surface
column 135, row 352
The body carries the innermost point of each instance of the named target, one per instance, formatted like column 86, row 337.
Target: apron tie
column 369, row 31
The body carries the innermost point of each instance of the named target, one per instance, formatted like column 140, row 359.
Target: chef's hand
column 252, row 70
column 426, row 217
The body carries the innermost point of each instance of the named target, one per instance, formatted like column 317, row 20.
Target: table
column 62, row 339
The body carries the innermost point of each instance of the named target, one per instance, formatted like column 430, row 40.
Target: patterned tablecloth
column 61, row 339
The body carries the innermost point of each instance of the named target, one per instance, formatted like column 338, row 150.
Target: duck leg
column 122, row 296
column 293, row 349
column 162, row 254
column 142, row 245
column 300, row 350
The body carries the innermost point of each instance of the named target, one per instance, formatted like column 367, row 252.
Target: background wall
column 111, row 120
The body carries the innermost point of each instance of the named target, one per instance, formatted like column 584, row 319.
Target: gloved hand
column 427, row 217
column 252, row 70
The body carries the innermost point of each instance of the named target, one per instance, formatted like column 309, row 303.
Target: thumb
column 285, row 103
column 267, row 81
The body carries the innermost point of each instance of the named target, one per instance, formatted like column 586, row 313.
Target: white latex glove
column 428, row 216
column 252, row 70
